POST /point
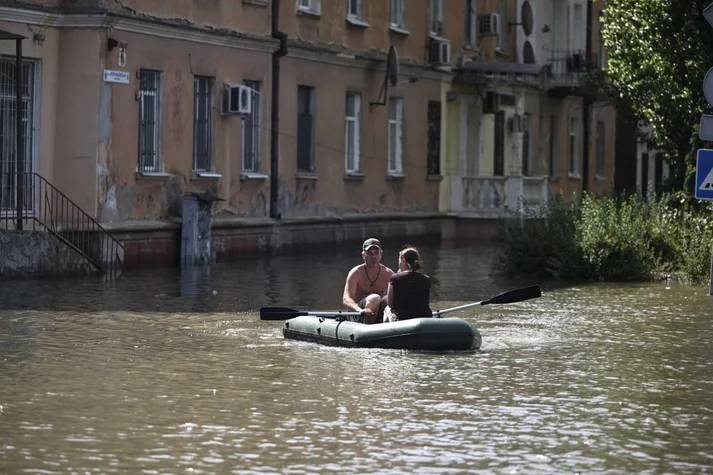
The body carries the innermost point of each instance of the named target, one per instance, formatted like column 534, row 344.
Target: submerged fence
column 38, row 205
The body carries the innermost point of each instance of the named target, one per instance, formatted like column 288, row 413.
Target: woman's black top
column 411, row 295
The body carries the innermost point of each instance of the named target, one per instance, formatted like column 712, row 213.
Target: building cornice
column 149, row 26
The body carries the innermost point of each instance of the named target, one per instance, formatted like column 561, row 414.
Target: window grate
column 149, row 120
column 251, row 130
column 202, row 124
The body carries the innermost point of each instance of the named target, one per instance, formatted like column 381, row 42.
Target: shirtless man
column 367, row 283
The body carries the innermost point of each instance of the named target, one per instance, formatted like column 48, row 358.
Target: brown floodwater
column 164, row 371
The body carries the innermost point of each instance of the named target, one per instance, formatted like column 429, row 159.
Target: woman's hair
column 412, row 257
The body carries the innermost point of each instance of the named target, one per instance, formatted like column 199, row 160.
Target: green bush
column 627, row 238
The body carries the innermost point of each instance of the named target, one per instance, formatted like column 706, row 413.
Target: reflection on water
column 168, row 370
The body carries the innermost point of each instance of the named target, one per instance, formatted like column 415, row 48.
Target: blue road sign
column 704, row 174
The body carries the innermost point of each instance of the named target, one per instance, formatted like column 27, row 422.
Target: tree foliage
column 659, row 52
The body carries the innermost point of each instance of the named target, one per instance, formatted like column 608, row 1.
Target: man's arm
column 350, row 288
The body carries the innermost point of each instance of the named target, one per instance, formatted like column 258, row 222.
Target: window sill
column 309, row 13
column 554, row 178
column 306, row 176
column 253, row 176
column 354, row 21
column 354, row 176
column 257, row 3
column 574, row 176
column 399, row 30
column 149, row 175
column 206, row 175
column 471, row 47
column 431, row 177
column 395, row 177
column 599, row 177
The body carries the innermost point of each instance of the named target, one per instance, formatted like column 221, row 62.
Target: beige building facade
column 408, row 108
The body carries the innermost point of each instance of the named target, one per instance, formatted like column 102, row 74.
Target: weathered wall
column 34, row 253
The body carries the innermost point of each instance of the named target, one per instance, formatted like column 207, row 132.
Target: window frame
column 301, row 117
column 313, row 7
column 209, row 122
column 574, row 147
column 359, row 4
column 471, row 23
column 251, row 128
column 435, row 18
column 156, row 93
column 352, row 123
column 397, row 13
column 433, row 138
column 395, row 163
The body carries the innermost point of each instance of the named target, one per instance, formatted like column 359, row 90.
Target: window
column 396, row 13
column 526, row 146
column 354, row 9
column 149, row 120
column 644, row 174
column 436, row 28
column 574, row 151
column 433, row 157
column 305, row 129
column 554, row 144
column 251, row 130
column 202, row 123
column 499, row 144
column 310, row 6
column 471, row 16
column 8, row 131
column 503, row 26
column 601, row 148
column 396, row 135
column 352, row 132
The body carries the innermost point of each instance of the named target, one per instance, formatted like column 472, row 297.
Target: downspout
column 587, row 101
column 275, row 112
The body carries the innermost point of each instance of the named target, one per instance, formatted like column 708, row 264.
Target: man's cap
column 371, row 242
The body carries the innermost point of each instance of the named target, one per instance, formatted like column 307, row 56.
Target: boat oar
column 282, row 313
column 511, row 296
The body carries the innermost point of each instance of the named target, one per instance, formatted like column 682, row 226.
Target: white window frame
column 251, row 125
column 471, row 23
column 310, row 6
column 156, row 165
column 396, row 136
column 575, row 147
column 435, row 24
column 352, row 127
column 397, row 9
column 355, row 5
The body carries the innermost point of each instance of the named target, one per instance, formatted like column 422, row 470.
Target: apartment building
column 388, row 106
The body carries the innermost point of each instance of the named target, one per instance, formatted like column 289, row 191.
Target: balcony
column 497, row 197
column 567, row 68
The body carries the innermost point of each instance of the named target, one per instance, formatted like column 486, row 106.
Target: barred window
column 433, row 157
column 149, row 120
column 396, row 13
column 202, row 123
column 305, row 128
column 251, row 130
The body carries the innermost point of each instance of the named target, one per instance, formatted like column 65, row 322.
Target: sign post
column 704, row 178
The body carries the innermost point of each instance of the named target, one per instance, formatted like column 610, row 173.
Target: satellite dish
column 392, row 67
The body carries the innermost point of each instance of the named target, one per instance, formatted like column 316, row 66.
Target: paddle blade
column 517, row 295
column 279, row 313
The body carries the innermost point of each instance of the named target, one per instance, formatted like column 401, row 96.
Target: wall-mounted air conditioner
column 439, row 51
column 236, row 99
column 489, row 24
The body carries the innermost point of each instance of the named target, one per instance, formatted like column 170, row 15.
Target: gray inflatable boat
column 438, row 334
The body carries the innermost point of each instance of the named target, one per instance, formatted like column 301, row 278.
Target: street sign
column 121, row 77
column 704, row 174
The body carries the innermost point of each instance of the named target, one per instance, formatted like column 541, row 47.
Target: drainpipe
column 275, row 112
column 587, row 101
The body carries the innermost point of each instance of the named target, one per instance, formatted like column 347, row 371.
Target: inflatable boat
column 437, row 334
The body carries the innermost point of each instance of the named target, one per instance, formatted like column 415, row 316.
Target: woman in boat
column 409, row 291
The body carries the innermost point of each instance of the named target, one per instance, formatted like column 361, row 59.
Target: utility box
column 195, row 229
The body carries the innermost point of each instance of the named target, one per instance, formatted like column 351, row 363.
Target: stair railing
column 46, row 208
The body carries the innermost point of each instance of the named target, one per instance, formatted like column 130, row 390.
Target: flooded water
column 170, row 372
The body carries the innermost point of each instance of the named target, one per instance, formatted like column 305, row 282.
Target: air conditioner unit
column 439, row 51
column 489, row 24
column 236, row 99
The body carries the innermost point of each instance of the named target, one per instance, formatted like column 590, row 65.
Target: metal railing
column 43, row 207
